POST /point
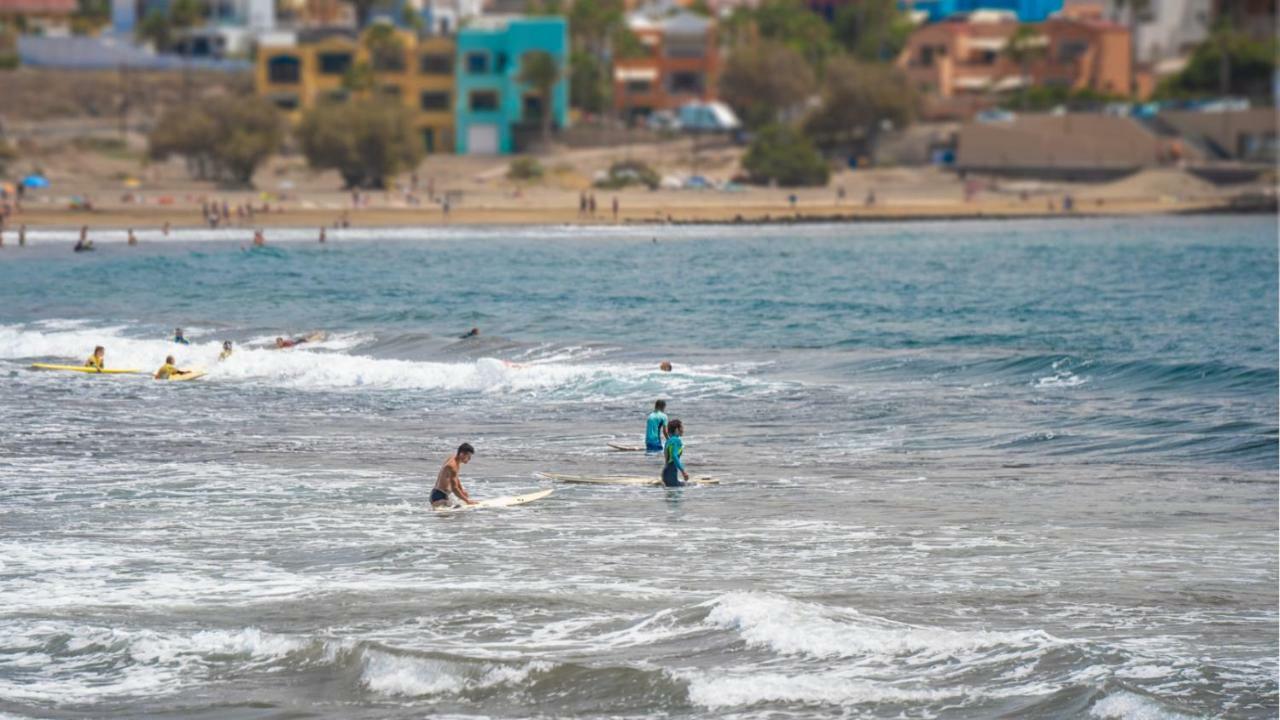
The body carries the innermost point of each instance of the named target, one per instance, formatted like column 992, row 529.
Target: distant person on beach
column 448, row 481
column 259, row 239
column 473, row 332
column 165, row 229
column 179, row 338
column 95, row 360
column 133, row 239
column 615, row 208
column 675, row 448
column 665, row 366
column 168, row 369
column 84, row 243
column 655, row 430
column 321, row 235
column 22, row 236
column 226, row 350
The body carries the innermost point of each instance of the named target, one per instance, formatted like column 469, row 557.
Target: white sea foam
column 717, row 691
column 1125, row 705
column 305, row 369
column 80, row 663
column 390, row 674
column 791, row 627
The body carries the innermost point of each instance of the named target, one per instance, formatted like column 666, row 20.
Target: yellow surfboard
column 83, row 369
column 192, row 375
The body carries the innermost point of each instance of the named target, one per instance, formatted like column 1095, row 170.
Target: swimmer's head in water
column 226, row 344
column 168, row 360
column 665, row 366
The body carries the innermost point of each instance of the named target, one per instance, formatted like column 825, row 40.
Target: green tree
column 788, row 22
column 1023, row 48
column 858, row 99
column 763, row 81
column 224, row 138
column 162, row 28
column 386, row 48
column 538, row 70
column 872, row 30
column 1228, row 63
column 367, row 140
column 588, row 83
column 780, row 154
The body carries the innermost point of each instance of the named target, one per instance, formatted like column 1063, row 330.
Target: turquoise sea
column 968, row 470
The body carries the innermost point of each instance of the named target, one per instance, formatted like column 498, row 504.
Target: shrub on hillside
column 629, row 172
column 524, row 168
column 781, row 154
column 223, row 138
column 366, row 141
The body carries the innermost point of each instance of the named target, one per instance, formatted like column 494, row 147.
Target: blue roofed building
column 495, row 111
column 1028, row 11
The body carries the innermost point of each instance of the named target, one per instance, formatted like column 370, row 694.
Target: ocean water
column 969, row 470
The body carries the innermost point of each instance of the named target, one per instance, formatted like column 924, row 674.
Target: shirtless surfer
column 448, row 481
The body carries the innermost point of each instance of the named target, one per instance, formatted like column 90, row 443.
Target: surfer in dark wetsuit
column 675, row 448
column 448, row 481
column 473, row 332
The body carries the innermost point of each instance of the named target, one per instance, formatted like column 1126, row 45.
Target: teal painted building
column 495, row 113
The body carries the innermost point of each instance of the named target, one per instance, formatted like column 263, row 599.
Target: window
column 334, row 63
column 500, row 66
column 1071, row 50
column 685, row 46
column 484, row 100
column 926, row 56
column 431, row 101
column 389, row 59
column 435, row 64
column 639, row 87
column 532, row 107
column 429, row 140
column 477, row 63
column 284, row 69
column 988, row 57
column 686, row 82
column 285, row 101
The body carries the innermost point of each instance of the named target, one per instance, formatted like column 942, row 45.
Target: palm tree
column 1024, row 47
column 539, row 70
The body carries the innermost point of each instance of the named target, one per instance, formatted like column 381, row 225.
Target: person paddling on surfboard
column 95, row 360
column 448, row 481
column 675, row 448
column 656, row 428
column 168, row 370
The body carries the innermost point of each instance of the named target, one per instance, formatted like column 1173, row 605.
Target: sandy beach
column 119, row 188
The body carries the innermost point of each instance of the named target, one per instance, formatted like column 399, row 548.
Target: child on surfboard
column 674, row 449
column 169, row 370
column 448, row 481
column 95, row 360
column 656, row 428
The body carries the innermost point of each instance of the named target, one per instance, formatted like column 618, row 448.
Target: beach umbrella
column 35, row 181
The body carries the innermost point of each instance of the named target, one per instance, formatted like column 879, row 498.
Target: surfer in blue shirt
column 656, row 428
column 675, row 448
column 179, row 338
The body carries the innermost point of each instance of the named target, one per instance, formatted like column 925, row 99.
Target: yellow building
column 314, row 70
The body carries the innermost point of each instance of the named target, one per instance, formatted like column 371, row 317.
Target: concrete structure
column 495, row 111
column 681, row 64
column 300, row 75
column 1024, row 10
column 1076, row 147
column 968, row 58
column 1240, row 135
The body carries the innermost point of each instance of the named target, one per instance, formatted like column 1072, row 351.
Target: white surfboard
column 499, row 502
column 623, row 479
column 625, row 448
